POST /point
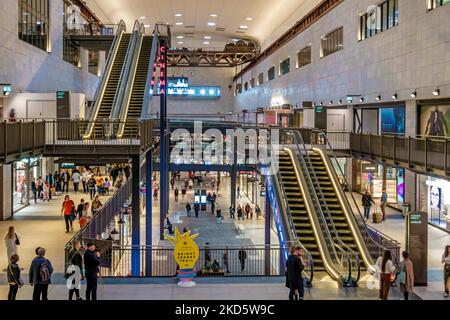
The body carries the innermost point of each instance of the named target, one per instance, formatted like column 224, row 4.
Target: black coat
column 76, row 259
column 294, row 267
column 91, row 263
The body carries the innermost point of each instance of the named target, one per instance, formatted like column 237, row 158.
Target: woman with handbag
column 12, row 240
column 405, row 276
column 386, row 268
column 446, row 262
column 14, row 280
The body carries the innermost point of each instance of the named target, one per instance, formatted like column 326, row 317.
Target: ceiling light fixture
column 249, row 19
column 206, row 42
column 378, row 97
column 331, row 102
column 243, row 27
column 213, row 15
column 361, row 99
column 340, row 101
column 147, row 26
column 143, row 17
column 212, row 24
column 180, row 37
column 179, row 23
column 207, row 37
column 178, row 14
column 436, row 92
column 180, row 42
column 395, row 96
column 414, row 94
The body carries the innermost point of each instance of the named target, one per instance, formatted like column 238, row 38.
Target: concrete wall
column 200, row 77
column 411, row 56
column 30, row 69
column 5, row 192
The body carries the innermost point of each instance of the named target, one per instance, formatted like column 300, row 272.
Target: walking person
column 367, row 202
column 225, row 260
column 65, row 178
column 175, row 193
column 40, row 275
column 91, row 267
column 386, row 268
column 196, row 209
column 14, row 279
column 446, row 261
column 188, row 209
column 76, row 177
column 239, row 213
column 12, row 241
column 57, row 179
column 34, row 190
column 231, row 210
column 127, row 171
column 405, row 276
column 80, row 209
column 383, row 203
column 84, row 179
column 76, row 259
column 258, row 212
column 96, row 205
column 183, row 193
column 242, row 255
column 91, row 184
column 238, row 193
column 172, row 183
column 68, row 208
column 40, row 187
column 219, row 216
column 294, row 277
column 247, row 210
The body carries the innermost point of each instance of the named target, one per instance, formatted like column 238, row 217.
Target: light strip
column 357, row 236
column 329, row 268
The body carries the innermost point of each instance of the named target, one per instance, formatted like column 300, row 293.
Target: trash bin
column 406, row 207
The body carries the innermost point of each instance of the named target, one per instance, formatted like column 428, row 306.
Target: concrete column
column 411, row 189
column 5, row 192
column 101, row 63
column 84, row 59
column 148, row 213
column 410, row 118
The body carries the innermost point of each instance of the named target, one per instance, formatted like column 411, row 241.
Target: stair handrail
column 146, row 109
column 342, row 252
column 288, row 216
column 359, row 217
column 129, row 82
column 98, row 97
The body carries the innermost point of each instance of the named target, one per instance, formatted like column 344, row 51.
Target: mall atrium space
column 215, row 150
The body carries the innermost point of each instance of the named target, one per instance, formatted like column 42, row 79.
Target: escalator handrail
column 340, row 249
column 288, row 217
column 98, row 97
column 145, row 114
column 361, row 221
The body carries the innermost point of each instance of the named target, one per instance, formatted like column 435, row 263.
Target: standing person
column 172, row 183
column 183, row 193
column 231, row 213
column 57, row 179
column 80, row 209
column 114, row 174
column 14, row 279
column 242, row 255
column 238, row 192
column 367, row 204
column 225, row 260
column 49, row 178
column 96, row 205
column 91, row 184
column 84, row 179
column 219, row 215
column 188, row 209
column 91, row 267
column 68, row 208
column 239, row 213
column 40, row 187
column 65, row 178
column 386, row 268
column 406, row 275
column 155, row 193
column 34, row 190
column 127, row 171
column 40, row 275
column 196, row 209
column 294, row 278
column 45, row 192
column 383, row 203
column 247, row 210
column 214, row 197
column 446, row 261
column 76, row 259
column 213, row 206
column 12, row 240
column 76, row 180
column 175, row 193
column 107, row 185
column 258, row 212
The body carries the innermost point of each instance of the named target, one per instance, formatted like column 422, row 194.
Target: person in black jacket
column 294, row 278
column 76, row 259
column 91, row 268
column 14, row 280
column 242, row 255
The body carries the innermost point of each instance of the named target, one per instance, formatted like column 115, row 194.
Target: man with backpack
column 40, row 275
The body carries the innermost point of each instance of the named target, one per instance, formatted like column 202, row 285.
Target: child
column 83, row 221
column 45, row 192
column 107, row 185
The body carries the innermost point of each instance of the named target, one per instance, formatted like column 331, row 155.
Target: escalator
column 298, row 210
column 136, row 101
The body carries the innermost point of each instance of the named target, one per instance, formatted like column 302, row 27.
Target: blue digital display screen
column 393, row 120
column 195, row 92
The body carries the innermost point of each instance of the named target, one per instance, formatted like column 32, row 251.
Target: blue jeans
column 367, row 213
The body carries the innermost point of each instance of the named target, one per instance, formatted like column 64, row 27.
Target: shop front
column 434, row 198
column 374, row 177
column 24, row 172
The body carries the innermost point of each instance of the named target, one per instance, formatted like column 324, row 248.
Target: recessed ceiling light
column 147, row 26
column 213, row 15
column 436, row 92
column 414, row 94
column 249, row 19
column 143, row 17
column 180, row 42
column 180, row 37
column 179, row 23
column 212, row 24
column 178, row 14
column 243, row 27
column 207, row 37
column 206, row 42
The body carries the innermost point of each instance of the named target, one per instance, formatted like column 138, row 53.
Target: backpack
column 44, row 271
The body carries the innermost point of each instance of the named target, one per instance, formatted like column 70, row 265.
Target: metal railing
column 19, row 138
column 345, row 259
column 164, row 264
column 91, row 29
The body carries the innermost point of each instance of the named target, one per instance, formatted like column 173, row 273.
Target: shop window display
column 23, row 173
column 434, row 200
column 435, row 120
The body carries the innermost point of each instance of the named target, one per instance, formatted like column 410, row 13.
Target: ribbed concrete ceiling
column 206, row 23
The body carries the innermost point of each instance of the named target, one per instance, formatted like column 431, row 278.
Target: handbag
column 447, row 268
column 17, row 240
column 401, row 278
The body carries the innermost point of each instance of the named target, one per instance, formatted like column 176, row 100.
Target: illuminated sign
column 7, row 89
column 195, row 92
column 162, row 70
column 178, row 82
